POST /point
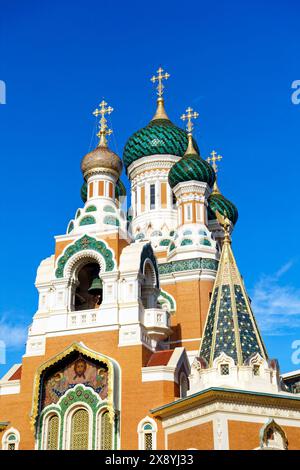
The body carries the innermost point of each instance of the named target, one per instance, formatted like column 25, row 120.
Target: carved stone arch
column 77, row 261
column 272, row 436
column 83, row 245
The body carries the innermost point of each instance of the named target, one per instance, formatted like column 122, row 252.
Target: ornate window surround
column 6, row 435
column 112, row 403
column 83, row 247
column 141, row 433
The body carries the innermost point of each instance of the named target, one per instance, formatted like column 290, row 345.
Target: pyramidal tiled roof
column 230, row 326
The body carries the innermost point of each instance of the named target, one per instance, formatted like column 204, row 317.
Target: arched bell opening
column 89, row 290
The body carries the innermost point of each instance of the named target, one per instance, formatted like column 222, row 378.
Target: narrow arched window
column 148, row 436
column 147, row 431
column 52, row 433
column 106, row 432
column 80, row 430
column 11, row 442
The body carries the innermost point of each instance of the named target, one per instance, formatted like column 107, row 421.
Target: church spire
column 160, row 110
column 230, row 326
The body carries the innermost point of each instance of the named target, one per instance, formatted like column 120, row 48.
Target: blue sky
column 234, row 62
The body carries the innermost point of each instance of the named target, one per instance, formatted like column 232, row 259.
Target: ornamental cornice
column 230, row 401
column 100, row 171
column 150, row 161
column 151, row 173
column 238, row 408
column 192, row 197
column 192, row 187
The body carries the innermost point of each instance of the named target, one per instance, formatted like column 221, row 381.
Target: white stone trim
column 5, row 441
column 141, row 432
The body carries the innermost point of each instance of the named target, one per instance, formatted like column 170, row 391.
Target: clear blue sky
column 233, row 62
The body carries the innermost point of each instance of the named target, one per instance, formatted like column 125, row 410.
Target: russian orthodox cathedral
column 144, row 335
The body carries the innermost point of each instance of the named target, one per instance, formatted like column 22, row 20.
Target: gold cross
column 160, row 77
column 103, row 128
column 190, row 114
column 214, row 159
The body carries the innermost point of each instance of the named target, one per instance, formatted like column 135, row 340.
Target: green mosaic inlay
column 166, row 296
column 87, row 220
column 187, row 265
column 111, row 220
column 91, row 209
column 205, row 349
column 186, row 241
column 70, row 227
column 164, row 242
column 204, row 241
column 85, row 243
column 109, row 209
column 172, row 246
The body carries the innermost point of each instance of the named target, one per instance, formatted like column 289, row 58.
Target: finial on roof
column 103, row 128
column 190, row 114
column 160, row 111
column 213, row 160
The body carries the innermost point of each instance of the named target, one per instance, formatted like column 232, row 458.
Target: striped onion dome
column 159, row 137
column 217, row 202
column 191, row 167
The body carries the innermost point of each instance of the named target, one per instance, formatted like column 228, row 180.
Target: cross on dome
column 214, row 159
column 159, row 78
column 103, row 128
column 190, row 114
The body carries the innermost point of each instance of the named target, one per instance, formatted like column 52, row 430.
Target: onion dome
column 191, row 167
column 83, row 192
column 160, row 136
column 217, row 202
column 102, row 157
column 120, row 189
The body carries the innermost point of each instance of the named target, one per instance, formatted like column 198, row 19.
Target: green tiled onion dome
column 120, row 189
column 217, row 202
column 191, row 167
column 160, row 136
column 83, row 192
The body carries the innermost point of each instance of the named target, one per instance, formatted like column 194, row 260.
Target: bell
column 96, row 287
